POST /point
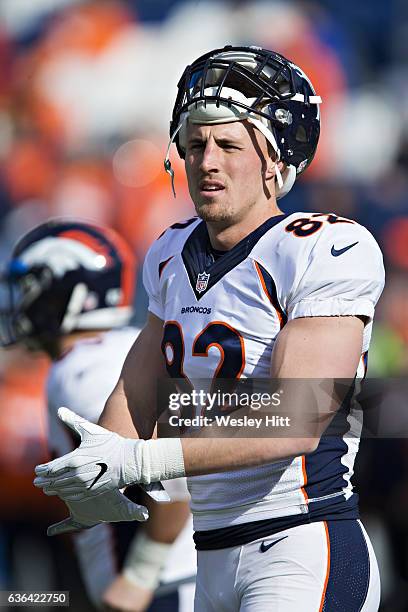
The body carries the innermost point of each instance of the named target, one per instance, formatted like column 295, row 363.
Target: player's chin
column 210, row 215
column 211, row 210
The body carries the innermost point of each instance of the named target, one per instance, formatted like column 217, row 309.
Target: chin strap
column 167, row 162
column 271, row 139
column 278, row 176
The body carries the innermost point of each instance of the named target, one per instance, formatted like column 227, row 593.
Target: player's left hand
column 108, row 507
column 104, row 461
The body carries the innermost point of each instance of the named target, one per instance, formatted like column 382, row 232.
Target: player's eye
column 197, row 146
column 229, row 146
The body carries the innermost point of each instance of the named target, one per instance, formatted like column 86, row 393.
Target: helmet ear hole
column 46, row 314
column 301, row 135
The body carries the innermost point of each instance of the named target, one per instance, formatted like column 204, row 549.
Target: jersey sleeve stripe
column 163, row 264
column 304, row 472
column 269, row 287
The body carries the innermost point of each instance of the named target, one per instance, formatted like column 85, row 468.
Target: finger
column 72, row 420
column 75, row 494
column 67, row 493
column 66, row 526
column 48, row 486
column 43, row 483
column 43, row 469
column 70, row 477
column 50, row 492
column 80, row 425
column 63, row 464
column 67, row 465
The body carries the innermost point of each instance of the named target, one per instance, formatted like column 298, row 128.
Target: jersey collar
column 202, row 270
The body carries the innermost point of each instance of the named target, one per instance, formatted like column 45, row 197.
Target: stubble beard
column 214, row 213
column 224, row 214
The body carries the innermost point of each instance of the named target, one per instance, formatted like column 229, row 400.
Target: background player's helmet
column 65, row 276
column 263, row 87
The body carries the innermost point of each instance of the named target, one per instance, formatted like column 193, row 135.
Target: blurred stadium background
column 86, row 92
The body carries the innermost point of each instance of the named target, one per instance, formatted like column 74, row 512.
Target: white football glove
column 105, row 461
column 108, row 507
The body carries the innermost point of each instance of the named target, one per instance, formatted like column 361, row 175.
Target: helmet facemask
column 263, row 87
column 27, row 306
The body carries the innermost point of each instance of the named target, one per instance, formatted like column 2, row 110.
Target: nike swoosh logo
column 337, row 252
column 264, row 547
column 104, row 467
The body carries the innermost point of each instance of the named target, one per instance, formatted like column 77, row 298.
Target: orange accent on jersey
column 241, row 340
column 182, row 373
column 163, row 264
column 304, row 479
column 277, row 309
column 327, row 568
column 219, row 347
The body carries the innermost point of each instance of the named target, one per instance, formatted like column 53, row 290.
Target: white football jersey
column 82, row 380
column 222, row 315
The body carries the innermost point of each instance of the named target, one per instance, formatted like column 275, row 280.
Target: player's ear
column 270, row 172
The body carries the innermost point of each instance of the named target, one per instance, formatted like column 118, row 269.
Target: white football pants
column 319, row 567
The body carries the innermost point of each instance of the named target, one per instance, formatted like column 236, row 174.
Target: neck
column 224, row 236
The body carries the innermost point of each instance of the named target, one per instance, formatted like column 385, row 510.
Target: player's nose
column 210, row 161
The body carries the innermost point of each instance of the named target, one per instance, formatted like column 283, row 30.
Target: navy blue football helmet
column 65, row 276
column 263, row 87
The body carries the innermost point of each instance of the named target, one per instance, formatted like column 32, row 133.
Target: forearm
column 171, row 457
column 204, row 456
column 166, row 521
column 136, row 419
column 131, row 409
column 116, row 415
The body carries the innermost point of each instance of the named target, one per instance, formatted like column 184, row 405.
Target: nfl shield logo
column 202, row 282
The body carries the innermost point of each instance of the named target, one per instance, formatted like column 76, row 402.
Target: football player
column 243, row 291
column 70, row 287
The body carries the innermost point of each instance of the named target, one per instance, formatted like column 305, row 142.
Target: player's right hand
column 104, row 461
column 108, row 507
column 99, row 464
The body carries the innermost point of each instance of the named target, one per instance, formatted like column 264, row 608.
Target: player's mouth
column 210, row 188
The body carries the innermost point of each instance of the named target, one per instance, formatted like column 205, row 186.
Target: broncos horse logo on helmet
column 65, row 276
column 260, row 86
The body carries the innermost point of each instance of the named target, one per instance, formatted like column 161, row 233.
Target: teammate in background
column 71, row 287
column 284, row 296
